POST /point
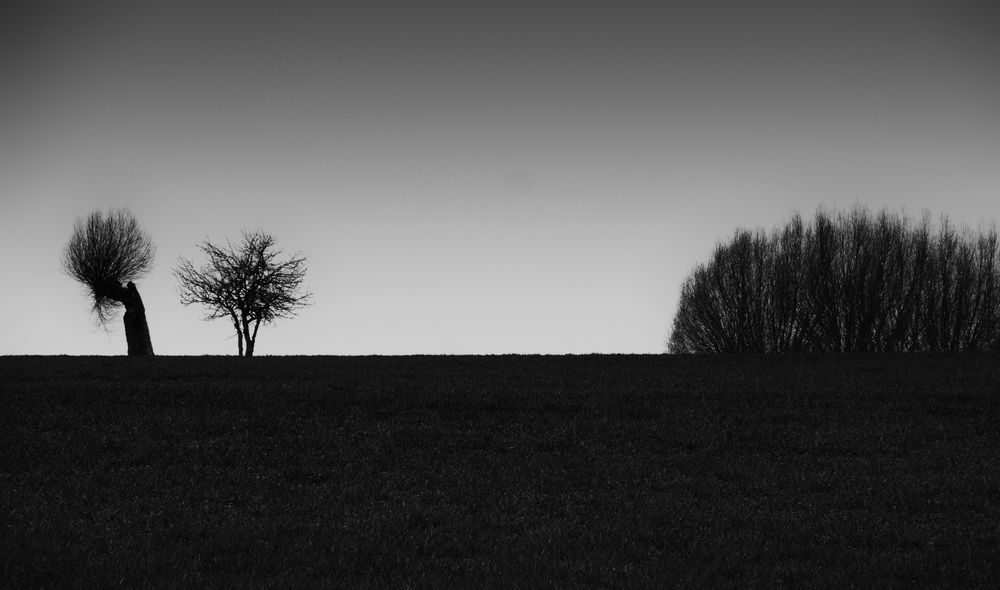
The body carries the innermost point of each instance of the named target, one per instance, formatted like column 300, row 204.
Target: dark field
column 608, row 471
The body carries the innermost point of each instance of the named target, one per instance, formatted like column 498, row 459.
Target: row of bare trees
column 846, row 282
column 248, row 284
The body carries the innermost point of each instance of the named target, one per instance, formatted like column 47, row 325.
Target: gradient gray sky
column 526, row 177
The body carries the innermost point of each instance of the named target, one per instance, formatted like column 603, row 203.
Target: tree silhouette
column 849, row 282
column 104, row 252
column 249, row 285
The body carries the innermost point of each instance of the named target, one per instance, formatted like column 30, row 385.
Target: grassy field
column 603, row 471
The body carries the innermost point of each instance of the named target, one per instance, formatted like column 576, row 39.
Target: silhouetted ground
column 610, row 471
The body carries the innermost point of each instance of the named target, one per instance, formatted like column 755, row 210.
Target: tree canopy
column 104, row 252
column 847, row 282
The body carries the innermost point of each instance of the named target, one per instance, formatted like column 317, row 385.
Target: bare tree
column 104, row 252
column 247, row 284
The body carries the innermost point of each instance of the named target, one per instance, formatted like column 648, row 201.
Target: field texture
column 604, row 471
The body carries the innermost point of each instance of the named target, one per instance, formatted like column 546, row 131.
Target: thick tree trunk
column 136, row 328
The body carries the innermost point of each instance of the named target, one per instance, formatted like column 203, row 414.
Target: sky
column 466, row 177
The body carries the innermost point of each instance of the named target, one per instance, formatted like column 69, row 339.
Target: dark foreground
column 609, row 471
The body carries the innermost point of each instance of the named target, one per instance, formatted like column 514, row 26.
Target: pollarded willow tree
column 104, row 252
column 849, row 282
column 247, row 284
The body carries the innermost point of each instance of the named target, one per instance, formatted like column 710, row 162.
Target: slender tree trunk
column 136, row 328
column 248, row 337
column 239, row 337
column 253, row 335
